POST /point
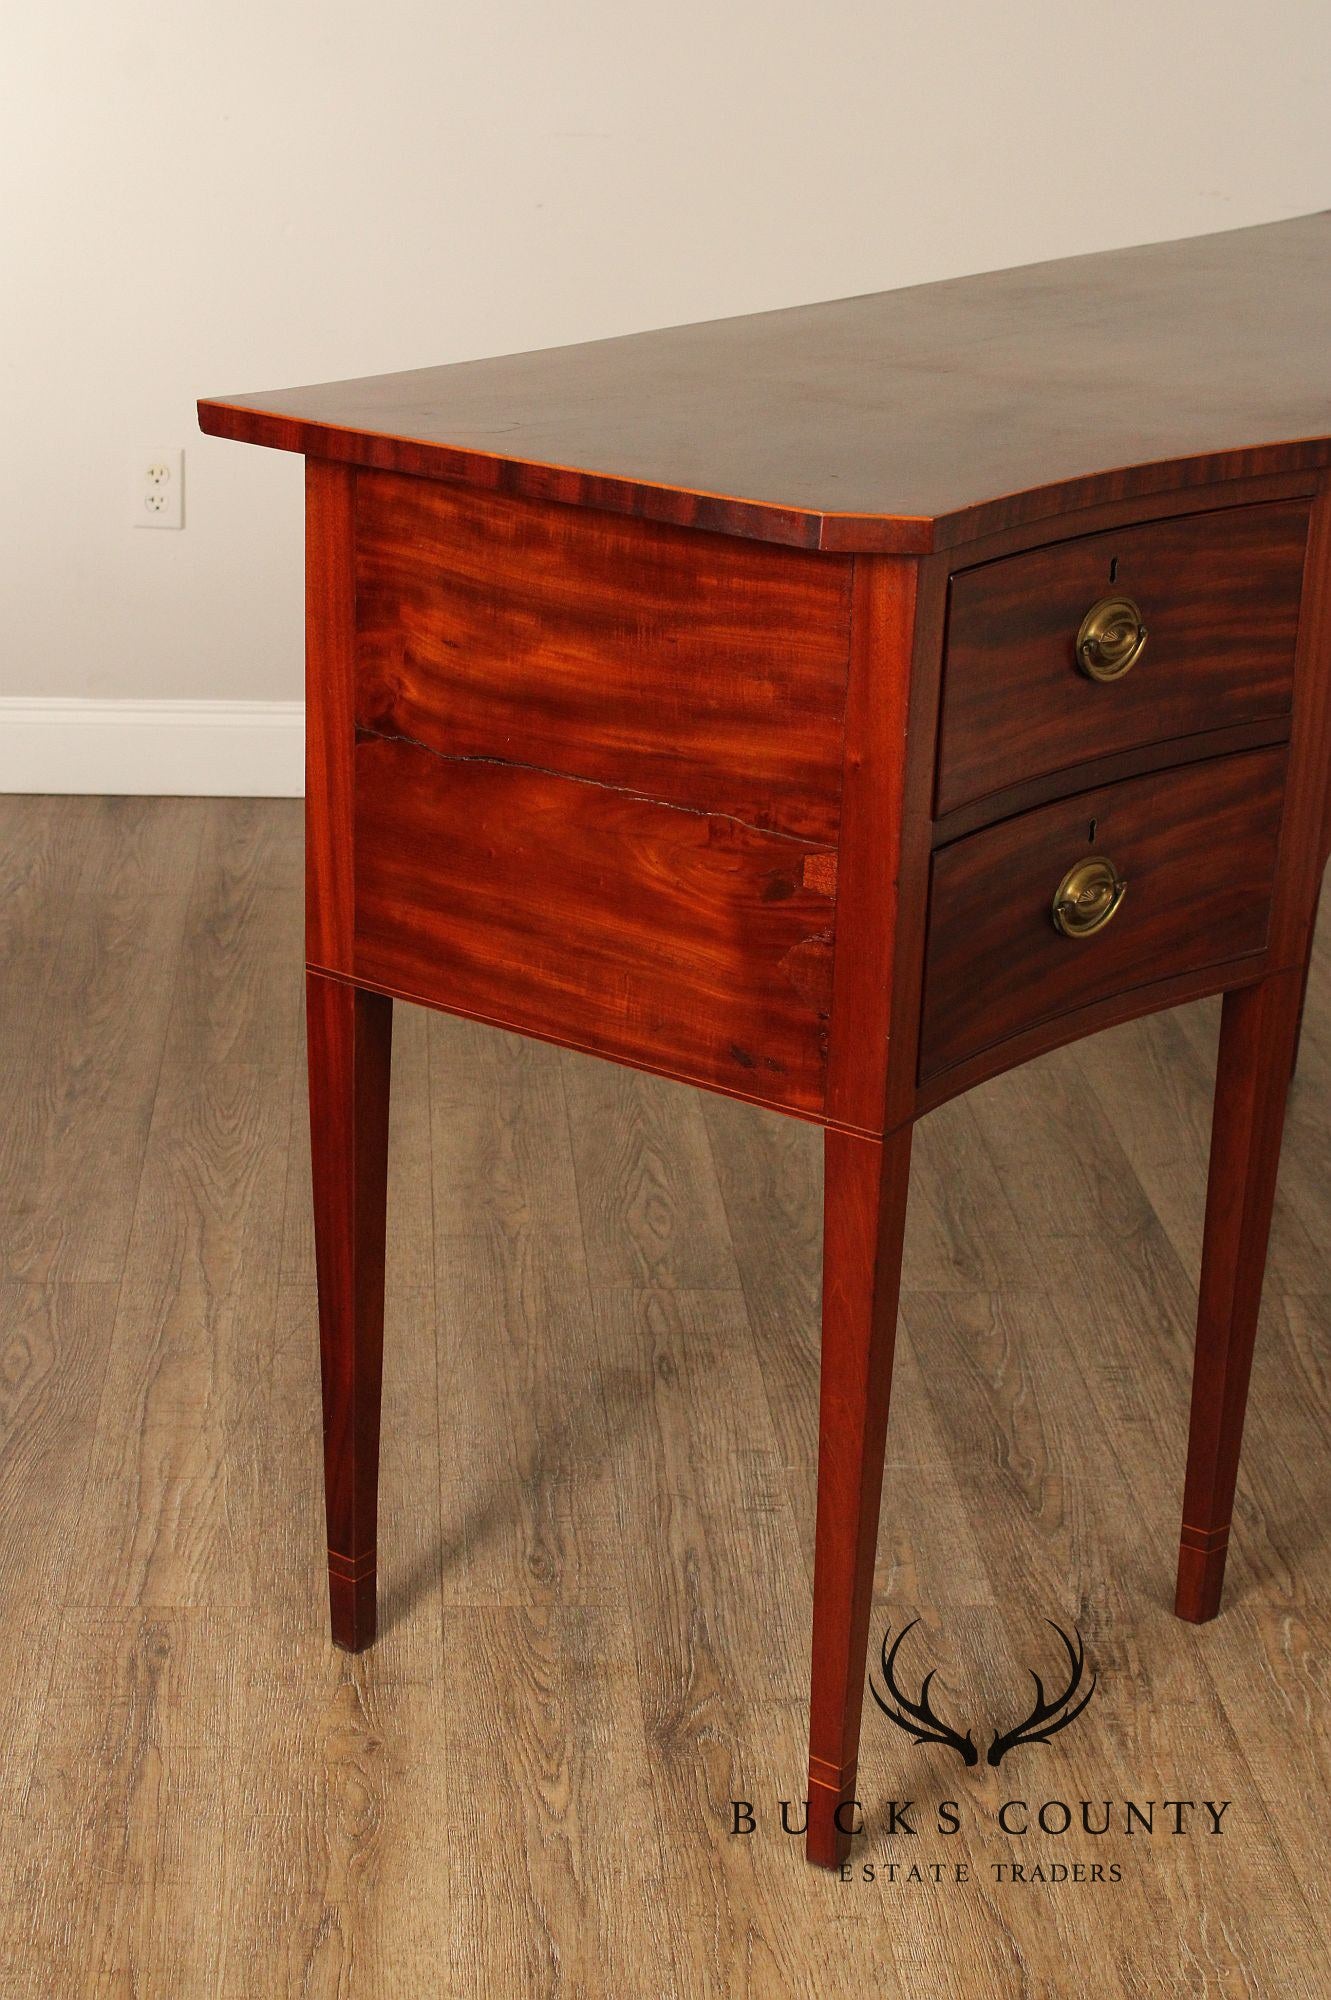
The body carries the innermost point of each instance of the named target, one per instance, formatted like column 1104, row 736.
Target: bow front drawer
column 1058, row 908
column 1093, row 646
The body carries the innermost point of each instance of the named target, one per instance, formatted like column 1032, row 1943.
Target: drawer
column 1196, row 849
column 699, row 671
column 683, row 941
column 1218, row 597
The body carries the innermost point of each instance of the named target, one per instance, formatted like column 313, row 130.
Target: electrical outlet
column 157, row 489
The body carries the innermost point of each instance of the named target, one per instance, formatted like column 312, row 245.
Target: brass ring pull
column 1088, row 897
column 1111, row 639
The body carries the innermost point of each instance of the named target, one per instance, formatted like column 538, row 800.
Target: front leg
column 1258, row 1036
column 864, row 1221
column 1303, row 988
column 350, row 1040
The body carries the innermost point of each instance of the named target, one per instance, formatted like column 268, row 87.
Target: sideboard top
column 899, row 421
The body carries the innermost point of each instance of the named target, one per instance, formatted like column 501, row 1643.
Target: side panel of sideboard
column 677, row 939
column 585, row 775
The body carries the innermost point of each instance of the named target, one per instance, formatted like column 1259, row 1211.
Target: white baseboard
column 193, row 749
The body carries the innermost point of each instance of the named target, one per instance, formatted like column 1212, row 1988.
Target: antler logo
column 923, row 1725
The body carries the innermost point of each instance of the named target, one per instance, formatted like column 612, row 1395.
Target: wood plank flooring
column 597, row 1514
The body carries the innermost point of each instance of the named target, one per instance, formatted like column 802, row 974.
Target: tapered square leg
column 1303, row 991
column 864, row 1219
column 350, row 1039
column 1258, row 1036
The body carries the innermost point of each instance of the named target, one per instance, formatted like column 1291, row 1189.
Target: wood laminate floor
column 598, row 1501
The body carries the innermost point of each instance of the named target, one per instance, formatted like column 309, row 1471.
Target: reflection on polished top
column 899, row 421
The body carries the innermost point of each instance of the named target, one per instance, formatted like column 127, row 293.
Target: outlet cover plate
column 157, row 489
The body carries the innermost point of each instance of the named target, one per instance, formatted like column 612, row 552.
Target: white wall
column 238, row 196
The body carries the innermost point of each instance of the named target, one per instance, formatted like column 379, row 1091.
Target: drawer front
column 693, row 944
column 1196, row 849
column 697, row 671
column 1218, row 595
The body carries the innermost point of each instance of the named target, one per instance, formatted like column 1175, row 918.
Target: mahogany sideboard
column 831, row 707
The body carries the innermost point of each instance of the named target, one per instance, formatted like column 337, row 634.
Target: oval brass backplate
column 1111, row 639
column 1087, row 897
